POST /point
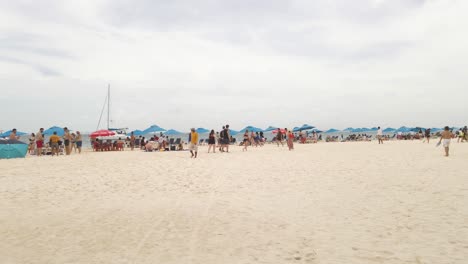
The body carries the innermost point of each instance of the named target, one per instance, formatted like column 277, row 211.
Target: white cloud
column 332, row 64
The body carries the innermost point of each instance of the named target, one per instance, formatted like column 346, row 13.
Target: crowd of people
column 221, row 140
column 55, row 145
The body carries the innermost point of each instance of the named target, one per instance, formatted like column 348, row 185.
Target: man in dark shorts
column 226, row 135
column 427, row 135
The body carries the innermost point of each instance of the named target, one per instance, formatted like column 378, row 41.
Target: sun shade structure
column 171, row 132
column 7, row 133
column 51, row 130
column 349, row 129
column 303, row 127
column 101, row 133
column 250, row 128
column 332, row 130
column 270, row 128
column 10, row 149
column 404, row 129
column 136, row 133
column 202, row 130
column 153, row 129
column 389, row 129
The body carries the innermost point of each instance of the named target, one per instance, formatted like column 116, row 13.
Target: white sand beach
column 401, row 202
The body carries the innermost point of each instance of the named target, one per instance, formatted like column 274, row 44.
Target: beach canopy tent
column 348, row 129
column 202, row 130
column 389, row 129
column 51, row 130
column 435, row 129
column 11, row 148
column 250, row 128
column 404, row 129
column 102, row 133
column 374, row 129
column 332, row 130
column 136, row 132
column 270, row 128
column 171, row 132
column 7, row 134
column 153, row 129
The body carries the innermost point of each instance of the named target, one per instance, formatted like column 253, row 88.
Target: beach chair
column 177, row 142
column 200, row 142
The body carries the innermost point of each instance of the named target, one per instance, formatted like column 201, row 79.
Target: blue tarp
column 7, row 134
column 10, row 149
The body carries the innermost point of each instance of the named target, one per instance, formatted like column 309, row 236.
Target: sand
column 401, row 202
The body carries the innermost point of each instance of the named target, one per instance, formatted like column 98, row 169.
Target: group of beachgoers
column 56, row 145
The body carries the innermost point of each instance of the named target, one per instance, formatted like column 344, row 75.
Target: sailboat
column 120, row 133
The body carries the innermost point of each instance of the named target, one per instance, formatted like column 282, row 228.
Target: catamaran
column 120, row 133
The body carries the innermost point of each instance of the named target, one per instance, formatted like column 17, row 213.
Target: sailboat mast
column 108, row 105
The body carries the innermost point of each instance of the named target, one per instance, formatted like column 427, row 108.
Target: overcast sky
column 205, row 63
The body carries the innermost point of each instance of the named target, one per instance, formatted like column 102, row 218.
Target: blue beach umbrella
column 171, row 132
column 270, row 128
column 295, row 129
column 10, row 149
column 7, row 133
column 306, row 127
column 404, row 129
column 251, row 128
column 202, row 130
column 136, row 133
column 332, row 130
column 389, row 129
column 233, row 132
column 153, row 129
column 349, row 129
column 316, row 130
column 53, row 129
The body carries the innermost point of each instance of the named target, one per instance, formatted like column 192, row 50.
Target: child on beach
column 445, row 139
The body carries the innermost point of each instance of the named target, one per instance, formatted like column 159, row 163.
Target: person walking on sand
column 193, row 143
column 246, row 140
column 227, row 138
column 279, row 137
column 212, row 141
column 67, row 140
column 445, row 138
column 290, row 139
column 380, row 135
column 132, row 141
column 79, row 141
column 40, row 141
column 427, row 135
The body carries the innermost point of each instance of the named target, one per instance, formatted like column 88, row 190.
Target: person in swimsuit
column 445, row 138
column 40, row 141
column 13, row 135
column 32, row 143
column 132, row 141
column 427, row 135
column 79, row 141
column 290, row 140
column 212, row 141
column 54, row 143
column 246, row 140
column 279, row 138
